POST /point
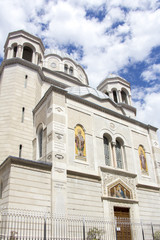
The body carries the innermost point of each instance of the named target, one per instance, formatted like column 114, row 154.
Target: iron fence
column 17, row 225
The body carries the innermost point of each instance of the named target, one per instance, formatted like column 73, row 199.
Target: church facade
column 68, row 148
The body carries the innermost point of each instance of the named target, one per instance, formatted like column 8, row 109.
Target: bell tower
column 118, row 89
column 20, row 90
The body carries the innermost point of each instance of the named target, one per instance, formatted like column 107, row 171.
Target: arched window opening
column 124, row 96
column 66, row 68
column 15, row 51
column 27, row 53
column 20, row 150
column 71, row 70
column 115, row 96
column 40, row 139
column 119, row 154
column 106, row 150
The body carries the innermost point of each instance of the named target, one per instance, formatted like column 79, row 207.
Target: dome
column 82, row 91
column 59, row 53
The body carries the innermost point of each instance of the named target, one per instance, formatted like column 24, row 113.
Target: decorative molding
column 110, row 179
column 84, row 175
column 28, row 163
column 144, row 186
column 120, row 200
column 120, row 172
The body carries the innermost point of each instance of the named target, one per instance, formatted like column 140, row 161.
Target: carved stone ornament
column 59, row 156
column 49, row 110
column 59, row 170
column 59, row 136
column 49, row 157
column 49, row 137
column 112, row 126
column 53, row 65
column 58, row 109
column 155, row 143
column 109, row 180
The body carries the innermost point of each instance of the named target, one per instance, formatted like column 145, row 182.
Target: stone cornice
column 25, row 162
column 114, row 79
column 145, row 186
column 72, row 60
column 129, row 107
column 120, row 172
column 65, row 76
column 18, row 33
column 93, row 105
column 30, row 65
column 83, row 175
column 44, row 78
column 122, row 200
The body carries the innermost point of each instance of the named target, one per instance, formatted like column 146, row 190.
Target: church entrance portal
column 123, row 223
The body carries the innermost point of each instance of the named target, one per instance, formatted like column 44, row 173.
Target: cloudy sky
column 105, row 36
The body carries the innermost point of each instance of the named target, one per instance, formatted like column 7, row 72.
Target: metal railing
column 18, row 224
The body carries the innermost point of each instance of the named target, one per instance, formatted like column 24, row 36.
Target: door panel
column 123, row 223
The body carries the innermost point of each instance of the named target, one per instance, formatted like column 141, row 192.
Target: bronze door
column 123, row 223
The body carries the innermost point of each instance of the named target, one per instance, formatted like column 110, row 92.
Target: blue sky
column 104, row 36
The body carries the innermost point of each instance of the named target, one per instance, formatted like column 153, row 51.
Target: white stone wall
column 29, row 188
column 149, row 205
column 84, row 197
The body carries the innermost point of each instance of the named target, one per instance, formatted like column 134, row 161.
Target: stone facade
column 67, row 148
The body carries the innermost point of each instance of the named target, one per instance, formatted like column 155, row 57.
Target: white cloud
column 152, row 73
column 147, row 100
column 105, row 49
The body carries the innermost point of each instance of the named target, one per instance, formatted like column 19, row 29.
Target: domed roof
column 59, row 53
column 82, row 91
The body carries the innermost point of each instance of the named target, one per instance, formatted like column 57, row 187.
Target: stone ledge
column 120, row 172
column 25, row 162
column 145, row 186
column 83, row 175
column 122, row 200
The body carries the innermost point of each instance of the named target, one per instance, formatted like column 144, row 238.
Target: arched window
column 124, row 96
column 71, row 70
column 39, row 141
column 15, row 51
column 65, row 68
column 27, row 53
column 106, row 151
column 115, row 96
column 143, row 161
column 119, row 159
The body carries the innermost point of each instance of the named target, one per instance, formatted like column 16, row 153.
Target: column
column 119, row 96
column 19, row 51
column 114, row 154
column 36, row 58
column 9, row 53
